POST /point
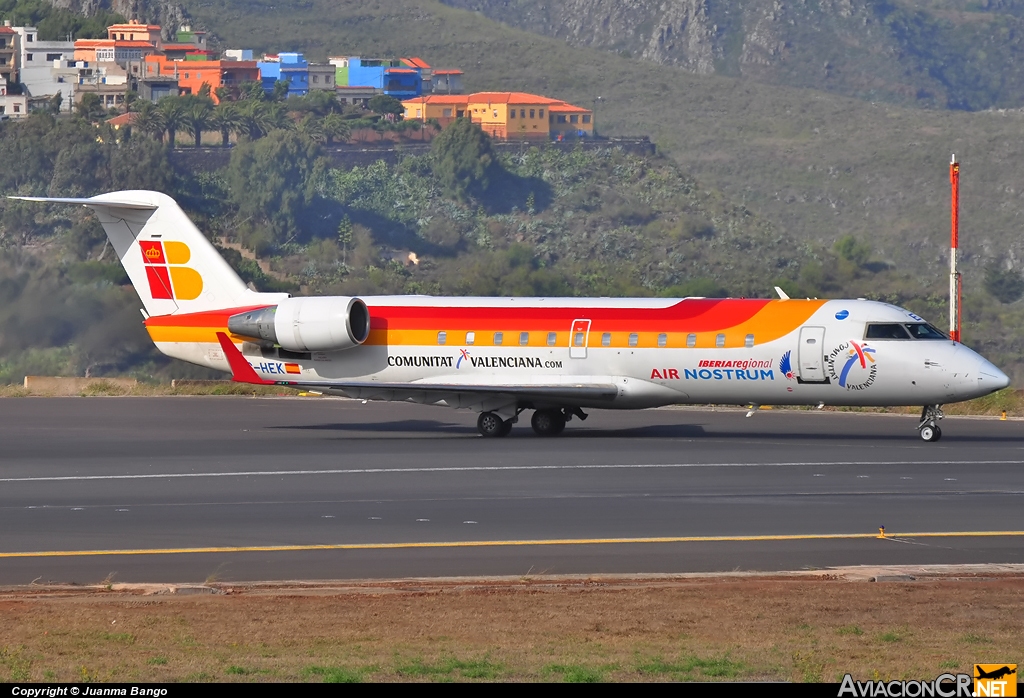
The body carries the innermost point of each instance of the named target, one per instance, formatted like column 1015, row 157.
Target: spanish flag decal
column 292, row 368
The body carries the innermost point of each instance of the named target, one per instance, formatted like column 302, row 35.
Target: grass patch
column 576, row 673
column 949, row 664
column 711, row 667
column 336, row 674
column 891, row 637
column 157, row 661
column 973, row 639
column 849, row 630
column 123, row 638
column 471, row 669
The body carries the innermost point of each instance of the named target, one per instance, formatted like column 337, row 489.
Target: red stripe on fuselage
column 694, row 315
column 208, row 318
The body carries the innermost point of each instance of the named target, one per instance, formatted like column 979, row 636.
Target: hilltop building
column 507, row 115
column 391, row 77
column 190, row 76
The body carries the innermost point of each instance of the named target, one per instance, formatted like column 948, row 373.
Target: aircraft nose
column 991, row 377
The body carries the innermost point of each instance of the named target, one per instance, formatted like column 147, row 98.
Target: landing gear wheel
column 929, row 427
column 492, row 426
column 548, row 422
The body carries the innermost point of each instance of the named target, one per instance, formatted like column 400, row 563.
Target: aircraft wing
column 464, row 395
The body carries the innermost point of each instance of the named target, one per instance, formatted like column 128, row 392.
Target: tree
column 54, row 103
column 274, row 181
column 1006, row 285
column 172, row 109
column 227, row 119
column 90, row 107
column 336, row 127
column 280, row 92
column 463, row 159
column 312, row 128
column 149, row 120
column 386, row 104
column 251, row 89
column 197, row 118
column 853, row 250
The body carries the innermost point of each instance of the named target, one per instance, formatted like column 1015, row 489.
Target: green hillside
column 762, row 184
column 816, row 165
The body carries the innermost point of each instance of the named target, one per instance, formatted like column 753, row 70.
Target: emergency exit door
column 578, row 338
column 812, row 354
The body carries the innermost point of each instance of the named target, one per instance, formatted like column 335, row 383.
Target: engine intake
column 329, row 323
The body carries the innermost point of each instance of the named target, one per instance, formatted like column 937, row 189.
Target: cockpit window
column 922, row 330
column 886, row 331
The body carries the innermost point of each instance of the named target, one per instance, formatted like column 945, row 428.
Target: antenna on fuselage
column 955, row 282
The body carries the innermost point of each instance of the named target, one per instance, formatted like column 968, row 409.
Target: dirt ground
column 800, row 627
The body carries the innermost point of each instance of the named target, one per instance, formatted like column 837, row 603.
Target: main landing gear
column 546, row 422
column 929, row 426
column 492, row 425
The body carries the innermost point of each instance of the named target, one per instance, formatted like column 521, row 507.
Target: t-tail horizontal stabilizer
column 241, row 371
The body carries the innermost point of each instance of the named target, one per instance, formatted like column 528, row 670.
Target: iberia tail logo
column 168, row 278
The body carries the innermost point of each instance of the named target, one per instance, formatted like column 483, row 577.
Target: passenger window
column 886, row 331
column 498, row 338
column 662, row 340
column 606, row 339
column 552, row 338
column 442, row 337
column 720, row 340
column 749, row 341
column 577, row 339
column 634, row 339
column 524, row 338
column 691, row 340
column 470, row 337
column 924, row 331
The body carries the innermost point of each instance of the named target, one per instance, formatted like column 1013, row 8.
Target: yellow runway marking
column 506, row 543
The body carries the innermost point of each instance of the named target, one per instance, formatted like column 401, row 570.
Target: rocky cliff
column 923, row 53
column 168, row 15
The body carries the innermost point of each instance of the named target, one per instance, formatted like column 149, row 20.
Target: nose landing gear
column 929, row 426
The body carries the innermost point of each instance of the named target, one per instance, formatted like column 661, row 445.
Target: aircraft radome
column 554, row 356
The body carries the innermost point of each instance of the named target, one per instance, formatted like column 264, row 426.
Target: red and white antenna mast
column 954, row 271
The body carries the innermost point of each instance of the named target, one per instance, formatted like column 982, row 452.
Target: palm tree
column 197, row 118
column 173, row 111
column 312, row 128
column 149, row 119
column 227, row 119
column 334, row 126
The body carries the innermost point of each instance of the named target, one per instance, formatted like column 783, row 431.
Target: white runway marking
column 495, row 468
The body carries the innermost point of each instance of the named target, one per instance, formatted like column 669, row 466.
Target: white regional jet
column 555, row 356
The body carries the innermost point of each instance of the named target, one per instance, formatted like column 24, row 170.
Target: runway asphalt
column 189, row 489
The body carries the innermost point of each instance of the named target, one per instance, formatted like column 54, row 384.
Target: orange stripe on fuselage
column 767, row 320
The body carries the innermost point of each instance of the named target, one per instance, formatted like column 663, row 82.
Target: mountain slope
column 922, row 54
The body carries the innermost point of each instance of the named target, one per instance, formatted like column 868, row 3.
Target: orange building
column 506, row 115
column 112, row 50
column 444, row 108
column 567, row 120
column 192, row 75
column 135, row 31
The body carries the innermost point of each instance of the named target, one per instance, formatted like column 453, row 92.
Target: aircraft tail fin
column 173, row 267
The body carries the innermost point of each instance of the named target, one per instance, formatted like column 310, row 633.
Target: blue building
column 391, row 77
column 290, row 67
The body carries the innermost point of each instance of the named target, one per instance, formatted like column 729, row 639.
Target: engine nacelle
column 328, row 323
